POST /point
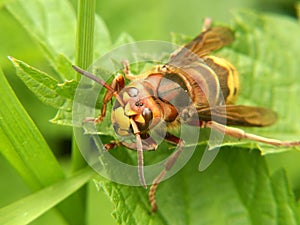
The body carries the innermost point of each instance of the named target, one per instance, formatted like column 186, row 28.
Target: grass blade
column 29, row 208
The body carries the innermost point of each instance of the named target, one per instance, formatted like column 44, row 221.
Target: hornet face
column 137, row 106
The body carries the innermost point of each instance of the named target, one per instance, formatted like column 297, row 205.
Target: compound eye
column 132, row 92
column 147, row 114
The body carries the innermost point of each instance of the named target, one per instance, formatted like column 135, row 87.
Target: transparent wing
column 207, row 41
column 239, row 115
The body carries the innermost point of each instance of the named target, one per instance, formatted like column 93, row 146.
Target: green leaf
column 22, row 144
column 283, row 195
column 49, row 90
column 64, row 67
column 102, row 40
column 51, row 23
column 27, row 151
column 298, row 10
column 269, row 73
column 40, row 83
column 269, row 76
column 29, row 208
column 235, row 189
column 64, row 115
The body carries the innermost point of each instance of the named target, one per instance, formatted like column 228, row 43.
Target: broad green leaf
column 31, row 207
column 266, row 56
column 268, row 76
column 235, row 189
column 280, row 186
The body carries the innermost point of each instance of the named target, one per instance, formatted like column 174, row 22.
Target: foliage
column 236, row 189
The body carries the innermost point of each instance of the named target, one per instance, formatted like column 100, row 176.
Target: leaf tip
column 11, row 58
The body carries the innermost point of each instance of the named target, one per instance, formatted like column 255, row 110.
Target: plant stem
column 84, row 57
column 85, row 33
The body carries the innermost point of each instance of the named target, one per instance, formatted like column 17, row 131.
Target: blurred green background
column 143, row 20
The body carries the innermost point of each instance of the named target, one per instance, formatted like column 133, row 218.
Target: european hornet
column 212, row 85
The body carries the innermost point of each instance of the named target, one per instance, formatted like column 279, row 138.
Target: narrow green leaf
column 298, row 10
column 26, row 150
column 29, row 208
column 22, row 144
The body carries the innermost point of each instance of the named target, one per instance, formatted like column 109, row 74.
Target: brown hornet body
column 191, row 79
